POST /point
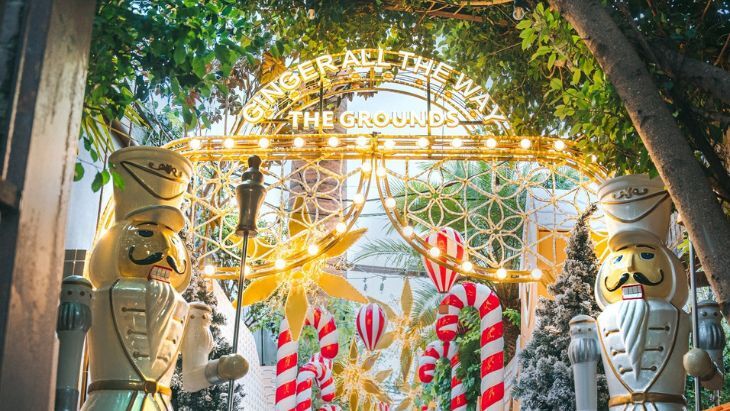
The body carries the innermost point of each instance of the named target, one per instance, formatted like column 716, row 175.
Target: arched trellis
column 318, row 172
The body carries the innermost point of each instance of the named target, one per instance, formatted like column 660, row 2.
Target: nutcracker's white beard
column 632, row 322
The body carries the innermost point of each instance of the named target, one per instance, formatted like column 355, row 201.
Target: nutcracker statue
column 642, row 335
column 138, row 268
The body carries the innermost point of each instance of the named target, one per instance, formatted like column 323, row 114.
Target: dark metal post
column 695, row 320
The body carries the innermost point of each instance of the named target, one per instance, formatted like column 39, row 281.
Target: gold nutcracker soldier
column 139, row 268
column 642, row 335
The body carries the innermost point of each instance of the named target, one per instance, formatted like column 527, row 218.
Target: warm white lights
column 358, row 198
column 228, row 143
column 247, row 270
column 333, row 141
column 313, row 249
column 434, row 252
column 501, row 273
column 362, row 141
column 594, row 158
column 536, row 274
column 389, row 144
column 279, row 264
column 467, row 266
column 264, row 142
column 408, row 231
column 390, row 202
column 341, row 227
column 298, row 142
column 423, row 142
column 366, row 167
column 195, row 144
column 456, row 142
column 491, row 143
column 559, row 145
column 209, row 269
column 525, row 143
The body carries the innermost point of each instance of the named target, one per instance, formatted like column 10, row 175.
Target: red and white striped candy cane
column 324, row 322
column 383, row 406
column 481, row 297
column 319, row 370
column 427, row 364
column 327, row 384
column 330, row 407
column 286, row 369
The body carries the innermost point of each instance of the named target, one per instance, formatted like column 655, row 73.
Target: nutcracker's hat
column 637, row 210
column 154, row 181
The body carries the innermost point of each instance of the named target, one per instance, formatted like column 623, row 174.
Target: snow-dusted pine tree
column 545, row 381
column 213, row 398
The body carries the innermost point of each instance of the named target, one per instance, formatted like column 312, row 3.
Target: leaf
column 271, row 67
column 97, row 183
column 368, row 362
column 556, row 83
column 385, row 341
column 179, row 53
column 117, row 179
column 406, row 358
column 382, row 375
column 353, row 351
column 370, row 386
column 354, row 400
column 78, row 172
column 404, row 405
column 296, row 310
column 339, row 287
column 406, row 298
column 260, row 289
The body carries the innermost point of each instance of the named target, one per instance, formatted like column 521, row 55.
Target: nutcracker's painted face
column 635, row 272
column 153, row 251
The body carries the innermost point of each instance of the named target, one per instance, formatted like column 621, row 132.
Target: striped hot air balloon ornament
column 481, row 297
column 449, row 243
column 371, row 322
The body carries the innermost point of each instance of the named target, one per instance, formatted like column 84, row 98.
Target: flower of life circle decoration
column 494, row 187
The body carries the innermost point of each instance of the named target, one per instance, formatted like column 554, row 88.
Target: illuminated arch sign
column 289, row 99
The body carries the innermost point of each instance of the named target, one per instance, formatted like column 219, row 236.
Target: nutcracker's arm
column 584, row 355
column 198, row 371
column 705, row 360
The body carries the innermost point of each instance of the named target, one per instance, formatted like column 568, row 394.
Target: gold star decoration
column 356, row 384
column 298, row 284
column 410, row 390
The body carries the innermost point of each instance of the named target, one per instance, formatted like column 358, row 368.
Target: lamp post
column 250, row 194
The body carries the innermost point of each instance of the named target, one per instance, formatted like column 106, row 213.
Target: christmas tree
column 545, row 381
column 215, row 397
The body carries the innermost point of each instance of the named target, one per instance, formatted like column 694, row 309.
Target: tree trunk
column 706, row 223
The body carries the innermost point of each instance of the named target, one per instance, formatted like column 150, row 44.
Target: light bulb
column 467, row 266
column 518, row 13
column 228, row 143
column 525, row 143
column 408, row 231
column 264, row 142
column 279, row 264
column 333, row 141
column 298, row 142
column 366, row 167
column 423, row 142
column 195, row 144
column 390, row 202
column 341, row 227
column 380, row 172
column 536, row 274
column 434, row 252
column 491, row 143
column 559, row 145
column 501, row 273
column 209, row 269
column 594, row 158
column 389, row 144
column 358, row 198
column 456, row 142
column 313, row 249
column 247, row 270
column 362, row 141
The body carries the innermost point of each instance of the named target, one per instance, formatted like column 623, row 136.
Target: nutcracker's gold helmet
column 639, row 265
column 144, row 241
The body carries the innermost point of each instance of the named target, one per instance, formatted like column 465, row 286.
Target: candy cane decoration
column 330, row 407
column 287, row 354
column 317, row 369
column 427, row 364
column 481, row 297
column 383, row 406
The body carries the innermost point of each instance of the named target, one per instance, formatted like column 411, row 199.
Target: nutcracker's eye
column 145, row 233
column 647, row 256
column 618, row 259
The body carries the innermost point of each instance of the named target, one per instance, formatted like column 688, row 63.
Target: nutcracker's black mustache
column 639, row 277
column 173, row 264
column 151, row 259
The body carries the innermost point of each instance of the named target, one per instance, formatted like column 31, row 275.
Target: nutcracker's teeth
column 632, row 292
column 159, row 273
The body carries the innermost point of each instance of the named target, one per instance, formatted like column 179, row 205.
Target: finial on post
column 250, row 194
